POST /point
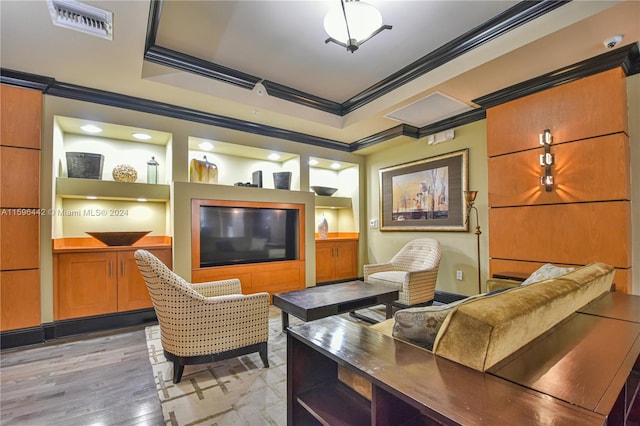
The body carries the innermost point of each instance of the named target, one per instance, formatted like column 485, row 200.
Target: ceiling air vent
column 81, row 17
column 430, row 109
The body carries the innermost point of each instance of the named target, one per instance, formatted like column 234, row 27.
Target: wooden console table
column 409, row 385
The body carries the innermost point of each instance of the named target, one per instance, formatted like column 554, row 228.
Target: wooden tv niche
column 272, row 276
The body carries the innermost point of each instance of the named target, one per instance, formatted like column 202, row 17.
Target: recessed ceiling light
column 273, row 156
column 205, row 145
column 335, row 165
column 142, row 200
column 141, row 136
column 90, row 128
column 313, row 162
column 91, row 197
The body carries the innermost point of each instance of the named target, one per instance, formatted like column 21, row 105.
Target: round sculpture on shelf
column 124, row 173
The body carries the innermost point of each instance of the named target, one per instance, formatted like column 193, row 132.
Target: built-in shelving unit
column 82, row 188
column 325, row 202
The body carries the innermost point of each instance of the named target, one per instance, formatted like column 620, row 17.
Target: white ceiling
column 283, row 42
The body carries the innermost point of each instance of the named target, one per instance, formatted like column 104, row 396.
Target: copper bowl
column 118, row 238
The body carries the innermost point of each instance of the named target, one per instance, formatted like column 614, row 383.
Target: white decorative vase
column 323, row 228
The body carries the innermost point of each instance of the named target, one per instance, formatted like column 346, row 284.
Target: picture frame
column 425, row 195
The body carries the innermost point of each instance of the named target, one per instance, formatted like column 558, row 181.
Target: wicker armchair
column 413, row 271
column 202, row 323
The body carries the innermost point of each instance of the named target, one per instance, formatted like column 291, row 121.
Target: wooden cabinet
column 21, row 112
column 100, row 282
column 336, row 259
column 132, row 290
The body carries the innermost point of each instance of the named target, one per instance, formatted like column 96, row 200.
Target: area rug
column 236, row 391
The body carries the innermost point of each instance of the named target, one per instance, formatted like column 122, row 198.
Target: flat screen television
column 239, row 235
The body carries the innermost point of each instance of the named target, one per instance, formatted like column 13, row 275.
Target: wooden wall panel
column 272, row 277
column 622, row 278
column 594, row 169
column 20, row 299
column 19, row 242
column 592, row 106
column 19, row 177
column 563, row 233
column 21, row 112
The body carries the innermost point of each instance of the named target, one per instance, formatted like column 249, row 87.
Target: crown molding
column 513, row 17
column 626, row 57
column 510, row 19
column 49, row 86
column 385, row 135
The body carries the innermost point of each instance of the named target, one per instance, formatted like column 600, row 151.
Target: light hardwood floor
column 98, row 379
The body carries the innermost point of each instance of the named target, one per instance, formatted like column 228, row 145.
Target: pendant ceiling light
column 353, row 22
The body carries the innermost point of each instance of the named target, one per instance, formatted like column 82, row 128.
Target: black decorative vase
column 282, row 180
column 84, row 165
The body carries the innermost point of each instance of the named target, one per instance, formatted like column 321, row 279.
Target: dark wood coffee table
column 322, row 301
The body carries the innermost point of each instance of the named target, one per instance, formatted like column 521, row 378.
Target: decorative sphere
column 124, row 173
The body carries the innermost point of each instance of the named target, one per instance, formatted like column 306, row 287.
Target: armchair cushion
column 390, row 278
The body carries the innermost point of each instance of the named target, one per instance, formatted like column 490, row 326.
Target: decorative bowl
column 118, row 238
column 324, row 190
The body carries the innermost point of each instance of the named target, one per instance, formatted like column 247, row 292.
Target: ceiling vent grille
column 81, row 17
column 430, row 109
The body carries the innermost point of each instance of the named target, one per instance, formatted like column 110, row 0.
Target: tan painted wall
column 458, row 248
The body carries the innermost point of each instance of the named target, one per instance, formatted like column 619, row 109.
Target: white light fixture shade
column 363, row 20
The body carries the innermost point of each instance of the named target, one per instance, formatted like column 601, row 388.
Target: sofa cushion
column 420, row 325
column 546, row 272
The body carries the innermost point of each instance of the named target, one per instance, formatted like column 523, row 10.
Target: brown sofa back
column 484, row 331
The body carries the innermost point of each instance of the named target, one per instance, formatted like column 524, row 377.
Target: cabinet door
column 20, row 242
column 21, row 111
column 19, row 177
column 132, row 290
column 86, row 284
column 325, row 263
column 19, row 299
column 346, row 260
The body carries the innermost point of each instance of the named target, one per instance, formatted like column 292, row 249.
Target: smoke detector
column 81, row 17
column 613, row 41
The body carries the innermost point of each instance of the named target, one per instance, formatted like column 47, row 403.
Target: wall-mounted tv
column 232, row 235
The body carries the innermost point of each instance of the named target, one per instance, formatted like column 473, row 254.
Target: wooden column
column 21, row 111
column 587, row 214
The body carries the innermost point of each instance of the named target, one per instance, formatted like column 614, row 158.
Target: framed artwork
column 425, row 195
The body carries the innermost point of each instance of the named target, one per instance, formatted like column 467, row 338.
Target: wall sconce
column 546, row 160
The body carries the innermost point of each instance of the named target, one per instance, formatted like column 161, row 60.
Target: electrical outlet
column 373, row 223
column 458, row 274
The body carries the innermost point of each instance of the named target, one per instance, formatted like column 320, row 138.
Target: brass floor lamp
column 470, row 197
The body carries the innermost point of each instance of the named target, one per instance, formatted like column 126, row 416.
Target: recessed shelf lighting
column 91, row 128
column 273, row 156
column 142, row 200
column 335, row 165
column 141, row 136
column 313, row 162
column 207, row 146
column 91, row 197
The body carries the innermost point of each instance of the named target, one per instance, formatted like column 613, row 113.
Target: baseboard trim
column 72, row 327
